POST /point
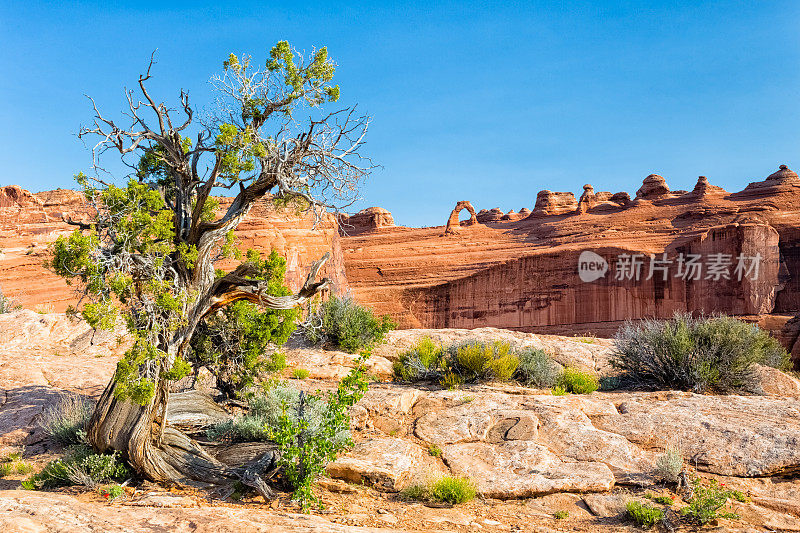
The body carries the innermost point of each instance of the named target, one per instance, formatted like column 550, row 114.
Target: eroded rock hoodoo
column 554, row 203
column 653, row 186
column 453, row 224
column 367, row 219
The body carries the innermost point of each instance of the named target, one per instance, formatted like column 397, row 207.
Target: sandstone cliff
column 29, row 222
column 522, row 273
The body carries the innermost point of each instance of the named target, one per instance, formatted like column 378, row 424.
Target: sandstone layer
column 523, row 273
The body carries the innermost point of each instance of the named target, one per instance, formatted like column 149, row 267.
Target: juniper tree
column 150, row 249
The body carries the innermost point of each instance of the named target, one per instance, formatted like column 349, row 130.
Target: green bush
column 67, row 421
column 300, row 373
column 707, row 502
column 446, row 489
column 347, row 324
column 469, row 361
column 577, row 381
column 434, row 450
column 81, row 466
column 644, row 515
column 264, row 416
column 307, row 445
column 13, row 464
column 697, row 354
column 561, row 514
column 422, row 362
column 537, row 369
column 236, row 344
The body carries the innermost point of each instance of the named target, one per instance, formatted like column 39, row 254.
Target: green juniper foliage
column 236, row 344
column 149, row 252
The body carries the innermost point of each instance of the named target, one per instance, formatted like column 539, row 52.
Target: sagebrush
column 67, row 420
column 697, row 354
column 537, row 369
column 350, row 326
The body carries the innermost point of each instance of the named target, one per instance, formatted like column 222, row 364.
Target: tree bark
column 161, row 452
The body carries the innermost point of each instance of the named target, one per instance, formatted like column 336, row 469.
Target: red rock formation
column 522, row 274
column 29, row 222
column 653, row 186
column 452, row 222
column 367, row 219
column 554, row 203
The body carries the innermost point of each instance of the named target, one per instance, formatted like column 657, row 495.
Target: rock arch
column 453, row 224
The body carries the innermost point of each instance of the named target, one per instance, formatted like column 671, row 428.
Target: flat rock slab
column 387, row 464
column 521, row 469
column 43, row 512
column 744, row 436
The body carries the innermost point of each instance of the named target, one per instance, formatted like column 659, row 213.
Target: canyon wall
column 30, row 221
column 522, row 272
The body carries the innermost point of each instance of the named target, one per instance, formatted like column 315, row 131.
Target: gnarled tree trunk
column 141, row 433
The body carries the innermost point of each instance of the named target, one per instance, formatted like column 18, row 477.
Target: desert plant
column 300, row 373
column 644, row 515
column 67, row 420
column 576, row 381
column 476, row 360
column 561, row 514
column 81, row 466
column 434, row 450
column 350, row 326
column 112, row 492
column 446, row 489
column 669, row 465
column 537, row 369
column 707, row 502
column 558, row 390
column 13, row 464
column 306, row 446
column 264, row 416
column 422, row 361
column 237, row 343
column 7, row 305
column 697, row 354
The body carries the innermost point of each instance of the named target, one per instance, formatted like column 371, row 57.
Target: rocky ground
column 530, row 453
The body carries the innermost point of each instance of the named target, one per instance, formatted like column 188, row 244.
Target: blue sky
column 486, row 101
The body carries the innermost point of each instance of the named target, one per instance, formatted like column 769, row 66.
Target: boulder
column 387, row 464
column 653, row 186
column 554, row 203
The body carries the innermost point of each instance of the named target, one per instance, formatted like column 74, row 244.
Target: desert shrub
column 707, row 502
column 559, row 391
column 669, row 465
column 664, row 500
column 644, row 515
column 697, row 354
column 561, row 514
column 264, row 415
column 13, row 464
column 434, row 450
column 300, row 373
column 347, row 324
column 477, row 361
column 421, row 362
column 81, row 466
column 469, row 361
column 576, row 381
column 237, row 344
column 537, row 369
column 112, row 492
column 447, row 489
column 67, row 421
column 7, row 305
column 306, row 446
